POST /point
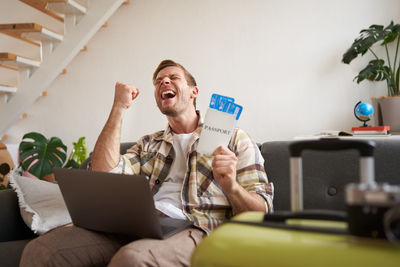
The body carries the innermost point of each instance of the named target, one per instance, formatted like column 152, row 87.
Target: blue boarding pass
column 225, row 104
column 220, row 102
column 235, row 109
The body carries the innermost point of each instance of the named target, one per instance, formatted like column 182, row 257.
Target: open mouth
column 167, row 94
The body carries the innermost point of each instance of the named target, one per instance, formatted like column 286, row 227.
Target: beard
column 168, row 111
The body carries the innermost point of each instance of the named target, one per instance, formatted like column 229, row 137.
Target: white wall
column 280, row 59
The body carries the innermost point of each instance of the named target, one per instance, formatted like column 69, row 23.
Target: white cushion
column 41, row 203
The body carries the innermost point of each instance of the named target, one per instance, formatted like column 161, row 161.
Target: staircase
column 81, row 22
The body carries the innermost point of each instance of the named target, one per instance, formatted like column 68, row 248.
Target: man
column 187, row 185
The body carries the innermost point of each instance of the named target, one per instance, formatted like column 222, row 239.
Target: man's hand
column 124, row 95
column 224, row 169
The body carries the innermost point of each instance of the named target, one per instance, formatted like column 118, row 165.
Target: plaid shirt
column 203, row 200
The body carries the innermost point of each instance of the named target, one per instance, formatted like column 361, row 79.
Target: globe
column 363, row 112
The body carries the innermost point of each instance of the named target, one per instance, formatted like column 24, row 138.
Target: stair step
column 7, row 88
column 66, row 7
column 12, row 60
column 41, row 6
column 8, row 67
column 30, row 32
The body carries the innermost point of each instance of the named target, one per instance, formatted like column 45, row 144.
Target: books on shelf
column 371, row 130
column 335, row 133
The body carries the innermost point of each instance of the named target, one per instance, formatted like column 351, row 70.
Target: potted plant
column 39, row 155
column 378, row 69
column 78, row 155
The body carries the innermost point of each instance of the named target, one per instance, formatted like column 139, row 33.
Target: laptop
column 114, row 203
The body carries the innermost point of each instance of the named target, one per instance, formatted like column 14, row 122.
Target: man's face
column 172, row 93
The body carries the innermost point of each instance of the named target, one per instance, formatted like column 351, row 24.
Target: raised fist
column 124, row 95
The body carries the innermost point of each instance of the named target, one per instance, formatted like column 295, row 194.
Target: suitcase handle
column 365, row 147
column 277, row 220
column 326, row 215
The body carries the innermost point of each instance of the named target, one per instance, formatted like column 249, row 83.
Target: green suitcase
column 236, row 244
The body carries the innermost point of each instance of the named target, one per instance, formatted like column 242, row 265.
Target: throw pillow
column 41, row 203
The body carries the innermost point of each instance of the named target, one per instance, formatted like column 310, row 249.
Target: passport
column 219, row 123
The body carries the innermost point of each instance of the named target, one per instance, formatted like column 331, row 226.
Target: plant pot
column 387, row 112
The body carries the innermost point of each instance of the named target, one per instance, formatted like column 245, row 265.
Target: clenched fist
column 224, row 168
column 124, row 95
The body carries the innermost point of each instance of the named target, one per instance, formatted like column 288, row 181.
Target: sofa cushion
column 11, row 251
column 12, row 225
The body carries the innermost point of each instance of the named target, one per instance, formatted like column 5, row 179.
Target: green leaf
column 390, row 33
column 40, row 155
column 39, row 138
column 25, row 146
column 42, row 168
column 374, row 71
column 28, row 154
column 362, row 44
column 55, row 161
column 56, row 142
column 60, row 155
column 25, row 164
column 79, row 152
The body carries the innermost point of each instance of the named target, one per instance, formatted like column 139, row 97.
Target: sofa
column 325, row 176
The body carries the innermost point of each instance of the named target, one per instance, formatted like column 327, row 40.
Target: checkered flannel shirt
column 203, row 200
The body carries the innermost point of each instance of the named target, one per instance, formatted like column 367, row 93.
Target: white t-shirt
column 168, row 198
